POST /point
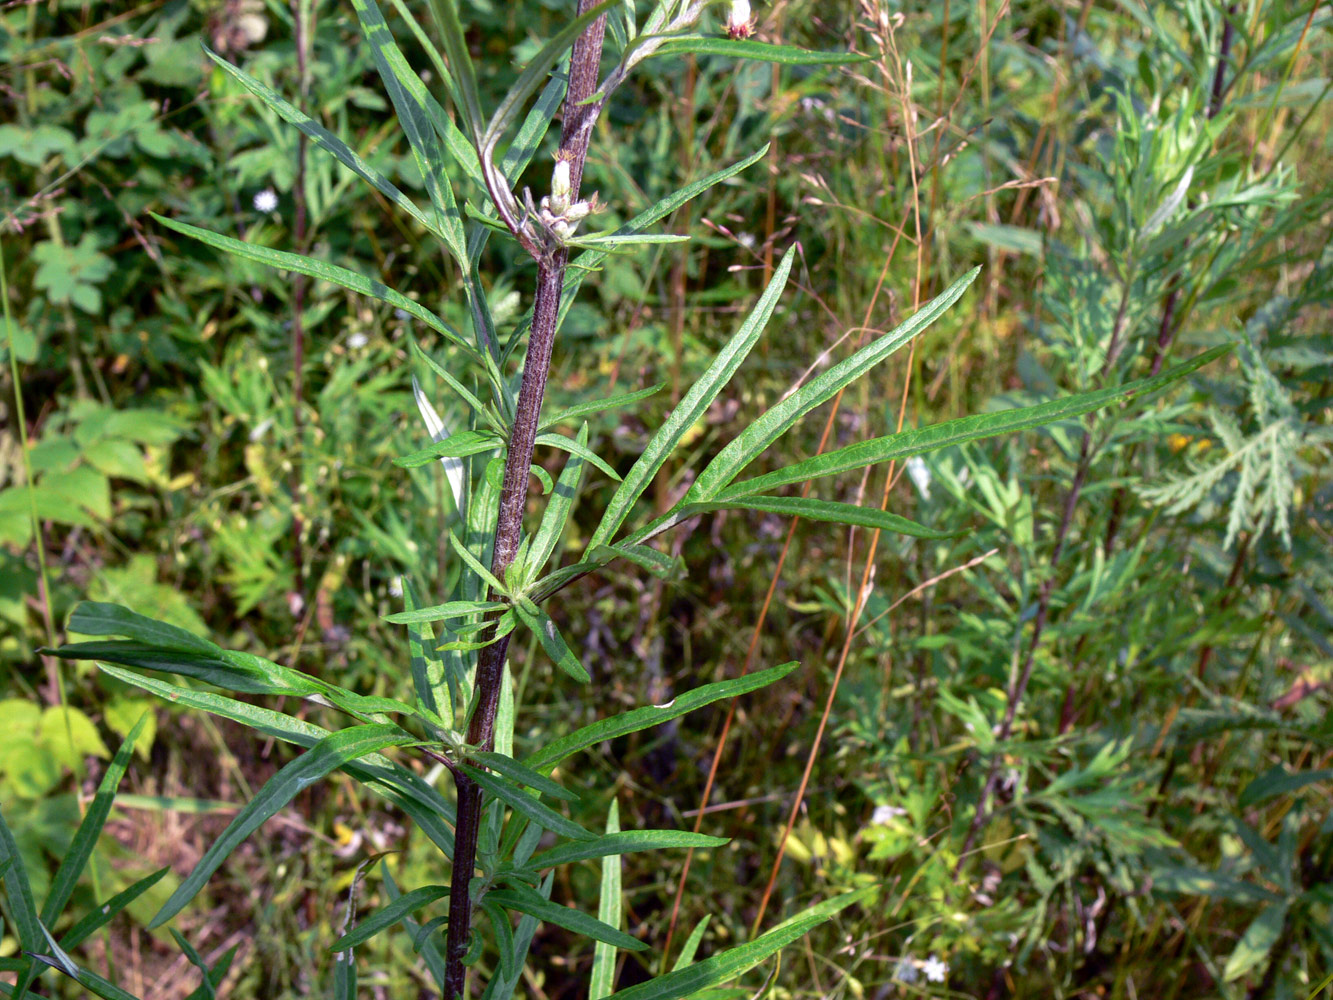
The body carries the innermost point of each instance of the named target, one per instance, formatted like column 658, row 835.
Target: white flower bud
column 561, row 186
column 739, row 22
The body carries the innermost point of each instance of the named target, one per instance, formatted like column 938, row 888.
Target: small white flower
column 357, row 341
column 886, row 814
column 934, row 969
column 920, row 475
column 746, row 240
column 739, row 22
column 396, row 587
column 561, row 185
column 266, row 200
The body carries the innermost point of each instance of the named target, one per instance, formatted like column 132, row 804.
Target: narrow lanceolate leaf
column 22, row 908
column 386, row 916
column 326, row 140
column 410, row 101
column 443, row 612
column 773, row 423
column 692, row 407
column 598, row 405
column 100, row 916
column 643, row 556
column 741, row 48
column 426, row 947
column 527, row 901
column 518, row 800
column 312, row 268
column 92, row 982
column 617, row 842
column 731, row 963
column 215, row 976
column 572, row 446
column 692, row 943
column 603, row 978
column 553, row 642
column 329, row 754
column 99, row 618
column 85, row 839
column 504, row 936
column 462, row 74
column 954, row 432
column 514, row 771
column 556, row 515
column 454, row 470
column 825, row 510
column 455, row 446
column 642, row 718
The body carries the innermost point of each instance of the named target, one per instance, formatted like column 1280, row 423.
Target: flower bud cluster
column 739, row 22
column 559, row 212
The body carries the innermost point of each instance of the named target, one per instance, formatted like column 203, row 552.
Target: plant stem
column 585, row 62
column 303, row 17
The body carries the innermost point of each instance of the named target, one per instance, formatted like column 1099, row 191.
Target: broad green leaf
column 505, row 765
column 518, row 800
column 326, row 140
column 443, row 612
column 773, row 423
column 427, row 809
column 744, row 48
column 603, row 977
column 556, row 515
column 825, row 510
column 85, row 839
column 1257, row 942
column 527, row 901
column 459, row 445
column 102, row 915
column 692, row 943
column 642, row 718
column 731, row 963
column 598, row 405
column 1279, row 781
column 626, row 842
column 386, row 916
column 954, row 432
column 329, row 754
column 312, row 268
column 553, row 642
column 575, row 447
column 691, row 407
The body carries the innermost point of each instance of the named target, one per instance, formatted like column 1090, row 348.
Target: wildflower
column 357, row 341
column 266, row 200
column 558, row 213
column 934, row 969
column 886, row 814
column 739, row 22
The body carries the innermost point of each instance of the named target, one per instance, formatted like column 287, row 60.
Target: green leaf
column 691, row 407
column 643, row 556
column 518, row 800
column 474, row 564
column 327, row 755
column 527, row 901
column 22, row 908
column 642, row 718
column 94, row 618
column 575, row 447
column 443, row 612
column 827, row 510
column 504, row 936
column 102, row 915
column 541, row 625
column 953, row 432
column 327, row 141
column 731, row 963
column 598, row 405
column 516, row 772
column 742, row 48
column 1257, row 941
column 386, row 916
column 429, row 952
column 462, row 74
column 459, row 445
column 627, row 842
column 603, row 977
column 556, row 515
column 773, row 423
column 85, row 839
column 409, row 792
column 692, row 943
column 92, row 982
column 313, row 268
column 1278, row 781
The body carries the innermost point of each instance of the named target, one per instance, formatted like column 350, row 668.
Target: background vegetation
column 1083, row 746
